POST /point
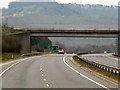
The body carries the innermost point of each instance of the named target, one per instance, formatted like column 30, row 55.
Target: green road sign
column 53, row 48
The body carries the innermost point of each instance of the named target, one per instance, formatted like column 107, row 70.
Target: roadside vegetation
column 100, row 71
column 11, row 56
column 42, row 52
column 10, row 32
column 39, row 44
column 10, row 44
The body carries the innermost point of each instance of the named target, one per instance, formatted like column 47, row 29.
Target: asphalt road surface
column 51, row 71
column 105, row 59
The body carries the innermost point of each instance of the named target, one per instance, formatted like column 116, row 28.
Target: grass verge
column 13, row 56
column 42, row 52
column 100, row 71
column 10, row 56
column 10, row 32
column 15, row 32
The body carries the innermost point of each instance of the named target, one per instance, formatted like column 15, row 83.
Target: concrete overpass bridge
column 75, row 33
column 26, row 45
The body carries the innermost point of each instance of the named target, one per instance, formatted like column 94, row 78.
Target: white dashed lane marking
column 41, row 70
column 42, row 75
column 44, row 79
column 47, row 85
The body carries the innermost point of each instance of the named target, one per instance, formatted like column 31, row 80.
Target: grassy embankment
column 10, row 32
column 42, row 52
column 100, row 71
column 11, row 56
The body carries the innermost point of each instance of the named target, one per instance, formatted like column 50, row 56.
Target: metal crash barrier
column 100, row 66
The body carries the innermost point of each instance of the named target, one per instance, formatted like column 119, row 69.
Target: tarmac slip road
column 105, row 59
column 51, row 71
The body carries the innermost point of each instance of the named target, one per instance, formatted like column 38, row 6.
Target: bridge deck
column 75, row 33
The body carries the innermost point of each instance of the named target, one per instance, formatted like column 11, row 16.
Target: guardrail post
column 102, row 68
column 97, row 66
column 111, row 70
column 115, row 72
column 105, row 69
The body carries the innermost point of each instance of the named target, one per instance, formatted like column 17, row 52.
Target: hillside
column 53, row 14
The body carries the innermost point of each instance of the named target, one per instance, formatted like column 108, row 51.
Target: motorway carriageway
column 50, row 71
column 105, row 59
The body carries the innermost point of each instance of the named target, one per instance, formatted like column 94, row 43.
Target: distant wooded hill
column 53, row 14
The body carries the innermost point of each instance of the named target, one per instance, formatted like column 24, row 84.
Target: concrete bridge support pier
column 26, row 43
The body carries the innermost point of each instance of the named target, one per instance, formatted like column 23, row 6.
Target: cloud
column 5, row 3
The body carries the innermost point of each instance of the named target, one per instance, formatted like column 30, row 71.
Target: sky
column 5, row 3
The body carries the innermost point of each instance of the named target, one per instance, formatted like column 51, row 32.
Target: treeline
column 93, row 48
column 87, row 48
column 40, row 43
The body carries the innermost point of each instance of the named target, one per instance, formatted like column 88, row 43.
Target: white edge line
column 13, row 61
column 8, row 68
column 84, row 75
column 9, row 62
column 11, row 65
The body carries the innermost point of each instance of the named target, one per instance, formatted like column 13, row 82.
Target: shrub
column 10, row 44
